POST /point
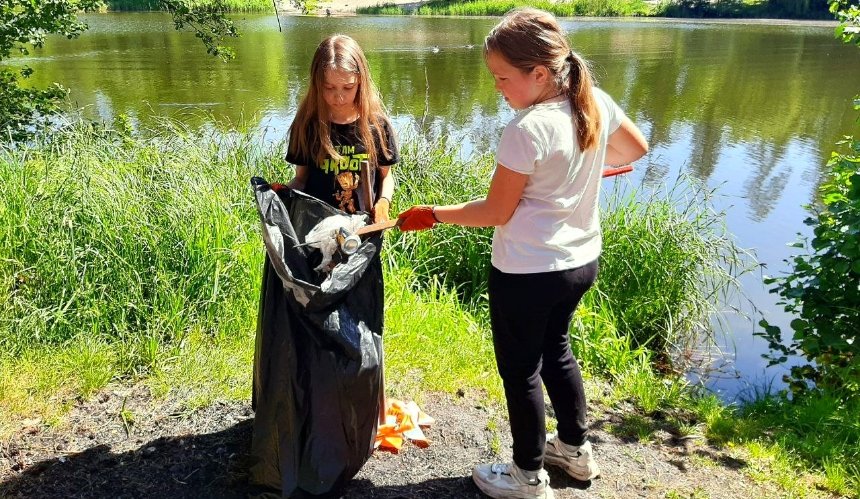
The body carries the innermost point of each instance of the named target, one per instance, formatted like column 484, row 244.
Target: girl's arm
column 380, row 209
column 504, row 195
column 626, row 144
column 300, row 179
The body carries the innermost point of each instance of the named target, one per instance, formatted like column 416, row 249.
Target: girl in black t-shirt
column 341, row 127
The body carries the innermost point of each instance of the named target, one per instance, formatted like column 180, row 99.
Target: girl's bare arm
column 626, row 144
column 386, row 190
column 300, row 179
column 504, row 195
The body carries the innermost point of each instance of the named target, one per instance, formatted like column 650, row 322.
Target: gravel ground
column 159, row 450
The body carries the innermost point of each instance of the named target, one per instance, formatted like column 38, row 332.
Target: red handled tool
column 617, row 170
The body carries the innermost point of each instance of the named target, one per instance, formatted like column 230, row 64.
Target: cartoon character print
column 348, row 181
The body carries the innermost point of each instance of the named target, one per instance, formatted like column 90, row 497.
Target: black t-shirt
column 337, row 182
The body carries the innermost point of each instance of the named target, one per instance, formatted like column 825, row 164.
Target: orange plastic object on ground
column 402, row 420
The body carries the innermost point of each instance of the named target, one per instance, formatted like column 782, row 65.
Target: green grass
column 799, row 447
column 422, row 324
column 822, row 431
column 500, row 7
column 669, row 267
column 150, row 5
column 599, row 345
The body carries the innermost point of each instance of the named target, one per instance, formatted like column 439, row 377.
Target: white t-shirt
column 556, row 225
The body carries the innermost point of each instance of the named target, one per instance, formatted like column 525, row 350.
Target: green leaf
column 27, row 23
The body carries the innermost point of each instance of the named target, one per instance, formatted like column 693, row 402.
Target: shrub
column 822, row 290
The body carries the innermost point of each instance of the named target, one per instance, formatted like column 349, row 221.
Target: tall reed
column 668, row 266
column 434, row 173
column 139, row 241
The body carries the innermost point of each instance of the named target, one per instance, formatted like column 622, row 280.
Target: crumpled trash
column 403, row 420
column 324, row 235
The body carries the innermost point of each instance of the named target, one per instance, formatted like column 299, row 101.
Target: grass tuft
column 668, row 268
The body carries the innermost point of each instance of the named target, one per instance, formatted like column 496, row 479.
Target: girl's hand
column 419, row 217
column 380, row 210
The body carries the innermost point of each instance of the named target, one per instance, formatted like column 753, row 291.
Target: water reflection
column 754, row 109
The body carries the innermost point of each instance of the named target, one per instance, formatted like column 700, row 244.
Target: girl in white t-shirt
column 543, row 201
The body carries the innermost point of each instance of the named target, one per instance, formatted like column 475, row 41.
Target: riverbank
column 579, row 8
column 606, row 8
column 133, row 262
column 340, row 8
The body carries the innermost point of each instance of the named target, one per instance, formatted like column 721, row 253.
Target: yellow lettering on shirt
column 350, row 161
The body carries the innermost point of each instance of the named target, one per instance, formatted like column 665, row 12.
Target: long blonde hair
column 529, row 37
column 310, row 133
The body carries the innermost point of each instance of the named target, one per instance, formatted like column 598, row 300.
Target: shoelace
column 505, row 469
column 500, row 469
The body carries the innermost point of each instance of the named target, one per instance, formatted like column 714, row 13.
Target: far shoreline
column 755, row 21
column 341, row 9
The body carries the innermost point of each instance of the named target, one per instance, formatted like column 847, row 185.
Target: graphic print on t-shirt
column 346, row 183
column 346, row 173
column 349, row 160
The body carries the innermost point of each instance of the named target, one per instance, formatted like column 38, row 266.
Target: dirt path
column 162, row 451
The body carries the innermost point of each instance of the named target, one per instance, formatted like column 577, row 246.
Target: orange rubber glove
column 419, row 217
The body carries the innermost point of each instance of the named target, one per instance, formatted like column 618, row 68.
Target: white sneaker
column 504, row 481
column 576, row 461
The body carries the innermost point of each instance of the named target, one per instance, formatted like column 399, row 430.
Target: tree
column 799, row 9
column 849, row 20
column 26, row 23
column 822, row 291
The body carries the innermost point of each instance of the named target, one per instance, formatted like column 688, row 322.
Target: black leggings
column 530, row 316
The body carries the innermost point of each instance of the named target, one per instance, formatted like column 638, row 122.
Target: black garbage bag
column 318, row 353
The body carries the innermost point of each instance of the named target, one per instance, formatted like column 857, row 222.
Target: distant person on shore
column 543, row 202
column 340, row 123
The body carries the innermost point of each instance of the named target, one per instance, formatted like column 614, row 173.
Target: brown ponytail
column 583, row 106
